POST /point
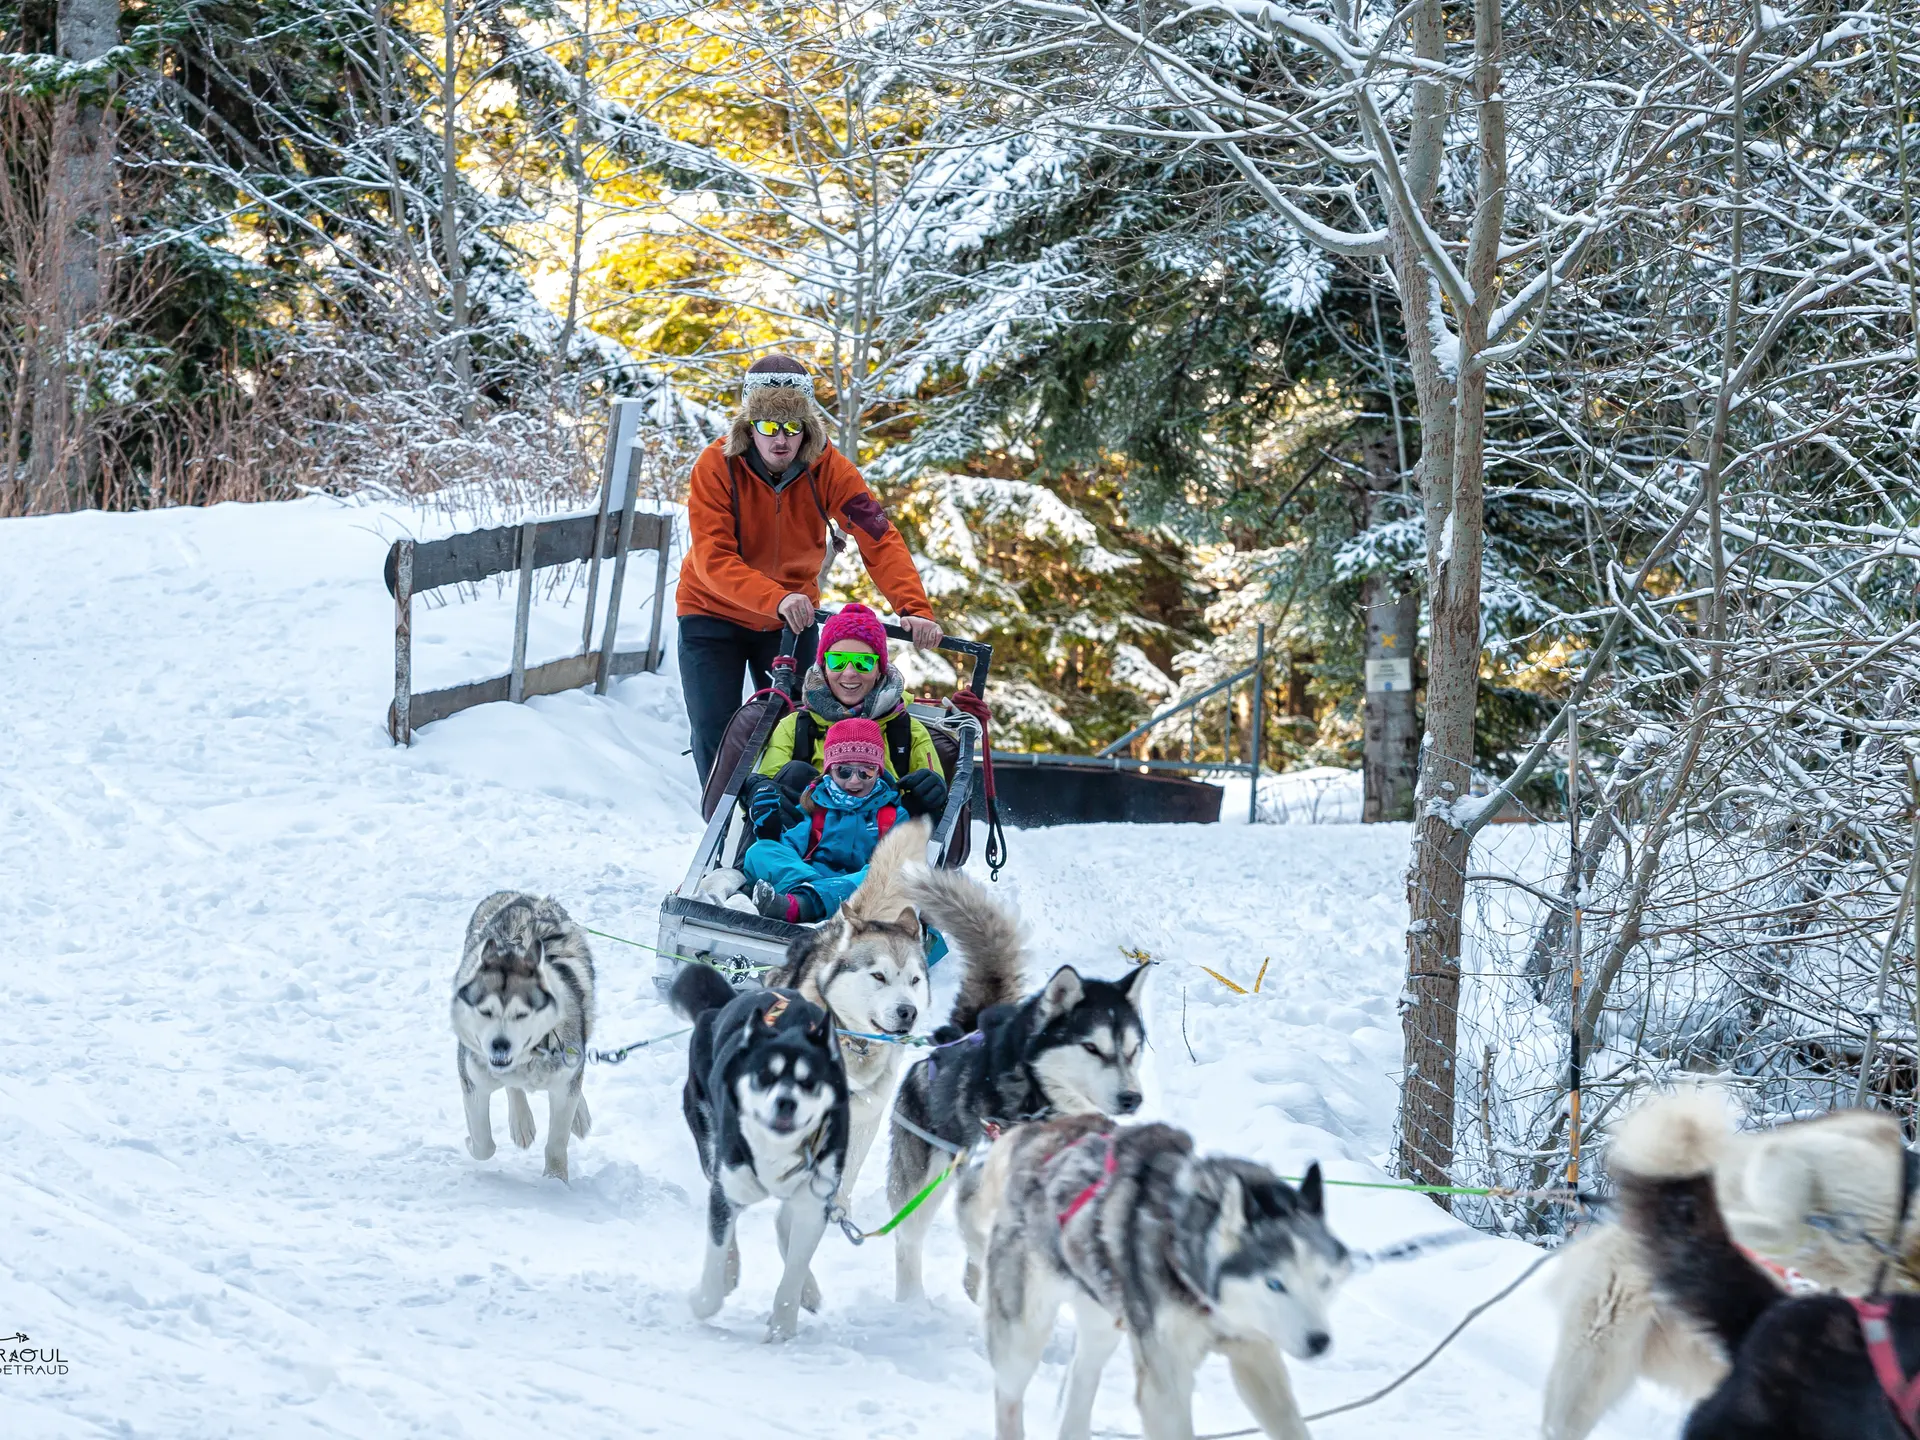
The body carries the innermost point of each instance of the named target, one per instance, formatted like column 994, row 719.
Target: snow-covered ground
column 233, row 1185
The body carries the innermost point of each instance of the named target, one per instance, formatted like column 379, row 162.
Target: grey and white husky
column 867, row 967
column 766, row 1100
column 1184, row 1255
column 1072, row 1049
column 523, row 1009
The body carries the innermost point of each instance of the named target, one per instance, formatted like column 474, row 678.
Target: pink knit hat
column 855, row 622
column 855, row 742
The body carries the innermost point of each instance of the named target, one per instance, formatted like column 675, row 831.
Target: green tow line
column 860, row 1237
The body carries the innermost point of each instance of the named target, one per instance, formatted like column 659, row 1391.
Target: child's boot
column 800, row 907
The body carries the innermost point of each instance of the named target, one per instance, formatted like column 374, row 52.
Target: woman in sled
column 851, row 681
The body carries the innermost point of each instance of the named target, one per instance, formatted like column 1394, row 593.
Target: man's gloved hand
column 923, row 792
column 793, row 779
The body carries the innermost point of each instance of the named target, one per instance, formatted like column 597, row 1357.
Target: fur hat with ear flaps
column 778, row 387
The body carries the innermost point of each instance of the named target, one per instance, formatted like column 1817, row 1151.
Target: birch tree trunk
column 63, row 458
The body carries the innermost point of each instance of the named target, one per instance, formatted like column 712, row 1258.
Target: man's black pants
column 715, row 656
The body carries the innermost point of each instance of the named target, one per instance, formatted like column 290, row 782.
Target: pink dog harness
column 1903, row 1393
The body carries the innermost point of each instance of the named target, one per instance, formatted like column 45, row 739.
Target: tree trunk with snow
column 78, row 226
column 1450, row 379
column 450, row 210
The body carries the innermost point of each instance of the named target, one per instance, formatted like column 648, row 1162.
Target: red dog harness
column 1902, row 1393
column 1081, row 1200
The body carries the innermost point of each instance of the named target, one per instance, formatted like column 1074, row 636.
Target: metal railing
column 1254, row 674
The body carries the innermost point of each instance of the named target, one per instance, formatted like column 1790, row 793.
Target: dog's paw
column 810, row 1295
column 557, row 1168
column 519, row 1118
column 781, row 1329
column 704, row 1304
column 480, row 1149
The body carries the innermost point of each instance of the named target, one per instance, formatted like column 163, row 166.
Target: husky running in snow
column 1780, row 1191
column 867, row 967
column 523, row 1009
column 766, row 1100
column 1801, row 1368
column 1072, row 1049
column 1181, row 1254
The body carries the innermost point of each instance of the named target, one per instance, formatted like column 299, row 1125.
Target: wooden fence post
column 654, row 657
column 400, row 727
column 605, row 674
column 522, row 613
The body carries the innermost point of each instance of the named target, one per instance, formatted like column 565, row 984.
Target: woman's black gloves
column 923, row 792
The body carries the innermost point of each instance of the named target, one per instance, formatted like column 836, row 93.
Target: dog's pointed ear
column 1313, row 1194
column 1130, row 982
column 908, row 920
column 1063, row 992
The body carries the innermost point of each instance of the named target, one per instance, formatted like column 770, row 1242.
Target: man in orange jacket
column 759, row 505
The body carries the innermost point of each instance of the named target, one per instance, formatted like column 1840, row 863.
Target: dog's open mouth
column 499, row 1066
column 783, row 1124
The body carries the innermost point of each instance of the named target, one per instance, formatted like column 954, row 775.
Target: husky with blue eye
column 766, row 1100
column 523, row 1009
column 1181, row 1254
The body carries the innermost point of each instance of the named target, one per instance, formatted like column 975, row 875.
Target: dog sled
column 738, row 944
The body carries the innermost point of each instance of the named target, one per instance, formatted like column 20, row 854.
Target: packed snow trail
column 234, row 1188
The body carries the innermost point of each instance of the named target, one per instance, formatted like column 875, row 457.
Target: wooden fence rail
column 414, row 567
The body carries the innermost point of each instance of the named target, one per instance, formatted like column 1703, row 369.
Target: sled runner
column 739, row 944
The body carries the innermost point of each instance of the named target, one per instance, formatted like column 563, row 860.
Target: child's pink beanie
column 855, row 742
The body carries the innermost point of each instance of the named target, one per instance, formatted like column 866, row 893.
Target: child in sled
column 820, row 860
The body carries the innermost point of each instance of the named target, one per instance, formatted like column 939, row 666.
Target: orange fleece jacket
column 783, row 539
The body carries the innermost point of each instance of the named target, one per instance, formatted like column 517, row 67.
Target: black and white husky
column 1801, row 1368
column 1780, row 1193
column 1072, row 1049
column 766, row 1100
column 523, row 1009
column 867, row 967
column 1184, row 1255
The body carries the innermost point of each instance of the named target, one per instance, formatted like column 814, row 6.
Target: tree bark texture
column 78, row 224
column 1390, row 766
column 450, row 210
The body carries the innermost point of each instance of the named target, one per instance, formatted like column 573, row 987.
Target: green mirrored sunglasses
column 838, row 660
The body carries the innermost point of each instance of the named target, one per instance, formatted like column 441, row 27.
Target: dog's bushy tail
column 1663, row 1156
column 987, row 934
column 697, row 989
